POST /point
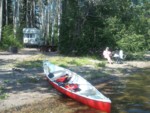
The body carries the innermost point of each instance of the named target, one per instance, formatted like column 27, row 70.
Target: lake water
column 131, row 94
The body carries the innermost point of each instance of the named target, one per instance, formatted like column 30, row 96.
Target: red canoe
column 76, row 87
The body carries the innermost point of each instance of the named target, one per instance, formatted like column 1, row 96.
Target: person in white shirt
column 107, row 54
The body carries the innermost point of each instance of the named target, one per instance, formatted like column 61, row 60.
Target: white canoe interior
column 87, row 90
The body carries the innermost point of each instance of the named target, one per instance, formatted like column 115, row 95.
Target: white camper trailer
column 32, row 37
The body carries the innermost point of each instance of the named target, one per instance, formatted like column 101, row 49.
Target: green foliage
column 70, row 61
column 135, row 56
column 132, row 42
column 113, row 31
column 30, row 64
column 101, row 64
column 2, row 94
column 8, row 38
column 89, row 27
column 19, row 35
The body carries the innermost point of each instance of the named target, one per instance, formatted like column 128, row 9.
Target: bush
column 135, row 56
column 8, row 38
column 132, row 42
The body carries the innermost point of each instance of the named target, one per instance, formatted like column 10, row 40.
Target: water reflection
column 131, row 94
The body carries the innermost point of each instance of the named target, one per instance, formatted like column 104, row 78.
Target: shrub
column 8, row 38
column 135, row 56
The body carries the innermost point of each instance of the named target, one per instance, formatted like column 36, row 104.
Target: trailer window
column 29, row 35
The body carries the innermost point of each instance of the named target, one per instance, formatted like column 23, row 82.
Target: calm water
column 131, row 94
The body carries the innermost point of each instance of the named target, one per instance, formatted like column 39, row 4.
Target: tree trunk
column 6, row 8
column 53, row 22
column 48, row 21
column 27, row 8
column 59, row 9
column 16, row 16
column 33, row 13
column 30, row 13
column 1, row 17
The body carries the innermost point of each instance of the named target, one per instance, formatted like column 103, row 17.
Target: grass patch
column 92, row 64
column 63, row 61
column 29, row 64
column 70, row 61
column 101, row 64
column 3, row 95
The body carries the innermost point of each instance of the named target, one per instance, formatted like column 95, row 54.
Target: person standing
column 107, row 54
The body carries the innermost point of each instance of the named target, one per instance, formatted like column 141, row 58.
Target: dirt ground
column 26, row 86
column 21, row 85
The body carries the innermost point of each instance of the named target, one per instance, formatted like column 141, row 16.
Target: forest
column 78, row 27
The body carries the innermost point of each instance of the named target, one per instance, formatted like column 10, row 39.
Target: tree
column 6, row 10
column 16, row 19
column 82, row 26
column 89, row 26
column 1, row 17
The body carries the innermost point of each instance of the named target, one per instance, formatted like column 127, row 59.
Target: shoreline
column 24, row 88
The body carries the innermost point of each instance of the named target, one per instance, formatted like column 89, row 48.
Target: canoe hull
column 100, row 105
